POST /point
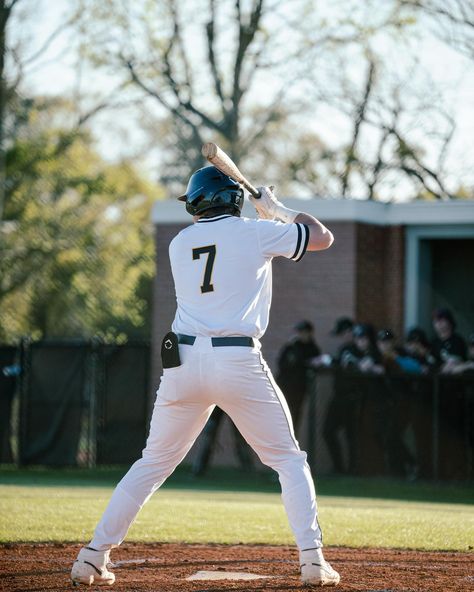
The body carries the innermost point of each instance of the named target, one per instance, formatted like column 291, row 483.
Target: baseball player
column 222, row 271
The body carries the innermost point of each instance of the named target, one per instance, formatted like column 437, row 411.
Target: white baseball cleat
column 315, row 570
column 90, row 568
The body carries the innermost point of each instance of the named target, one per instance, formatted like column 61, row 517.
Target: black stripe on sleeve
column 298, row 243
column 306, row 240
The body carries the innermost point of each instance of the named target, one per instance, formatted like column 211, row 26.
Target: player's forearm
column 320, row 237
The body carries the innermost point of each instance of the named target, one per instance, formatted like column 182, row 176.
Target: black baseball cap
column 342, row 324
column 304, row 326
column 385, row 335
column 361, row 330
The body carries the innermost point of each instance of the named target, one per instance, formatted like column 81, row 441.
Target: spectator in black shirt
column 396, row 410
column 450, row 351
column 340, row 415
column 391, row 354
column 417, row 347
column 368, row 358
column 449, row 348
column 420, row 389
column 343, row 332
column 294, row 362
column 467, row 367
column 371, row 402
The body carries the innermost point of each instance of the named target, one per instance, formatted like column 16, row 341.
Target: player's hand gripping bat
column 225, row 164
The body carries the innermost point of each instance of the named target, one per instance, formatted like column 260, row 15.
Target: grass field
column 228, row 507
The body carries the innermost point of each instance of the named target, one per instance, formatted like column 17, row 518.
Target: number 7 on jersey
column 211, row 255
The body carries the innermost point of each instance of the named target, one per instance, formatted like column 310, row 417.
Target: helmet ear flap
column 192, row 206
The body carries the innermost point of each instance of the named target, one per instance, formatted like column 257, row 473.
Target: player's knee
column 288, row 462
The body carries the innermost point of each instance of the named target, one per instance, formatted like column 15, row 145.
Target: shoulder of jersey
column 182, row 232
column 260, row 222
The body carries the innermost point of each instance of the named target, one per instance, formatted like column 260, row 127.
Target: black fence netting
column 52, row 403
column 454, row 428
column 123, row 408
column 87, row 404
column 82, row 403
column 413, row 427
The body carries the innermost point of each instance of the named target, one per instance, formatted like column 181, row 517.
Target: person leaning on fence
column 369, row 359
column 418, row 348
column 373, row 419
column 340, row 416
column 450, row 351
column 294, row 362
column 467, row 367
column 397, row 363
column 449, row 348
column 465, row 370
column 391, row 354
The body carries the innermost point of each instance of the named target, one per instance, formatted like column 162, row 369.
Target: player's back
column 216, row 267
column 222, row 272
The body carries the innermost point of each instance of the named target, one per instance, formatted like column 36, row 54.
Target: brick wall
column 395, row 278
column 164, row 302
column 380, row 276
column 320, row 288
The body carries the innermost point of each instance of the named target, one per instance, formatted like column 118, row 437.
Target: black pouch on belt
column 170, row 351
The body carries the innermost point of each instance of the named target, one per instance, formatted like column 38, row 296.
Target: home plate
column 225, row 575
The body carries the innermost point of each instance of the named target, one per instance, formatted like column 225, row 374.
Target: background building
column 390, row 265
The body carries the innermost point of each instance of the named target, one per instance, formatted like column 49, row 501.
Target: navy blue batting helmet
column 210, row 188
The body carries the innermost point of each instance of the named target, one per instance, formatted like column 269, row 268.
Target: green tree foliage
column 76, row 248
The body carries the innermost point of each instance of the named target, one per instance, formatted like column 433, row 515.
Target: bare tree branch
column 455, row 17
column 246, row 36
column 446, row 142
column 359, row 118
column 378, row 167
column 211, row 53
column 54, row 35
column 177, row 38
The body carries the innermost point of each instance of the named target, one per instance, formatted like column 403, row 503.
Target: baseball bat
column 226, row 165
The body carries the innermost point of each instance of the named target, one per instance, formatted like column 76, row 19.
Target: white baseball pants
column 238, row 380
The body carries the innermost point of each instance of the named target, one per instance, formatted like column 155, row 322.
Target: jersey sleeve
column 277, row 239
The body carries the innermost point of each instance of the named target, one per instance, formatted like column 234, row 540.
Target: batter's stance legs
column 179, row 416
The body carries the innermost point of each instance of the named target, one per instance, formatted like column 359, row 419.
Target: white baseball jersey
column 223, row 275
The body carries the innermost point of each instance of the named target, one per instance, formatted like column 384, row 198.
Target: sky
column 57, row 72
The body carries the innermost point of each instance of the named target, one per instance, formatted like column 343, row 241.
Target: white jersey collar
column 215, row 219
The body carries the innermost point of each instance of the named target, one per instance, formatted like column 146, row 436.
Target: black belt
column 218, row 341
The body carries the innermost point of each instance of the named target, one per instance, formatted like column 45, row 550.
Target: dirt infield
column 166, row 567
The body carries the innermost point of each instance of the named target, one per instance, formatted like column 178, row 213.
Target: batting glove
column 263, row 204
column 269, row 208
